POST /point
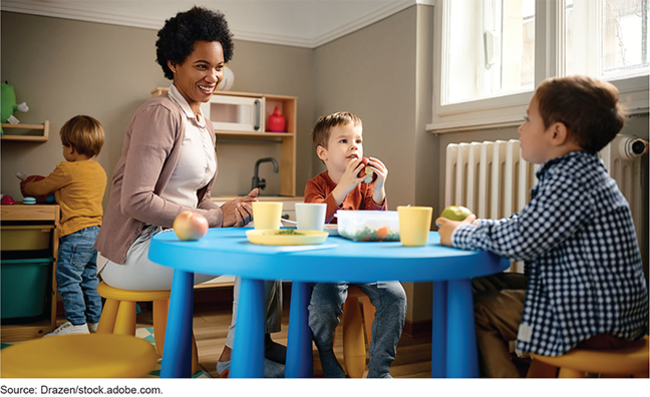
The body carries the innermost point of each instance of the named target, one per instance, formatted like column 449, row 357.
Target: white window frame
column 507, row 110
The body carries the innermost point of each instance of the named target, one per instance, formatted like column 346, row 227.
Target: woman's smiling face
column 198, row 76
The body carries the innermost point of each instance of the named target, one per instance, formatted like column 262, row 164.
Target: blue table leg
column 177, row 361
column 439, row 330
column 299, row 350
column 462, row 361
column 248, row 346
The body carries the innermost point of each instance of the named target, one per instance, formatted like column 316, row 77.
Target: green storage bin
column 26, row 284
column 25, row 237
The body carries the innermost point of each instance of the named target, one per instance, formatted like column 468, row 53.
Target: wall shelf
column 45, row 127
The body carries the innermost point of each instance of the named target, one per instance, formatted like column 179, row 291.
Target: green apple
column 456, row 213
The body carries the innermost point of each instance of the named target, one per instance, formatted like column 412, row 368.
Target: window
column 489, row 50
column 606, row 38
column 491, row 54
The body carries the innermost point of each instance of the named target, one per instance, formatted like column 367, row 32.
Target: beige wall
column 371, row 73
column 62, row 68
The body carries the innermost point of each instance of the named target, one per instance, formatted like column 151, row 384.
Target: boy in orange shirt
column 339, row 144
column 78, row 185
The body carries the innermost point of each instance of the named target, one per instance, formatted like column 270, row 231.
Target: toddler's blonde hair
column 84, row 134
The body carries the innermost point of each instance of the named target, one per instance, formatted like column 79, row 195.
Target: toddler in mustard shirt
column 78, row 185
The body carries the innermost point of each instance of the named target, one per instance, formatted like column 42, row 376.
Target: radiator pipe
column 632, row 147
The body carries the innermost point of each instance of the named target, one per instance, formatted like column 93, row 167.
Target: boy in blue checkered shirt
column 584, row 278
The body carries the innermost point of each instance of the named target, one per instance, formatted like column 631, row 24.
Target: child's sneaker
column 68, row 329
column 92, row 327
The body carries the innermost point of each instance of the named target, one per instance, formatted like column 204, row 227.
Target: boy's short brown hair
column 321, row 132
column 589, row 108
column 84, row 134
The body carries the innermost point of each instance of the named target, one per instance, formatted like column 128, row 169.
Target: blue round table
column 227, row 252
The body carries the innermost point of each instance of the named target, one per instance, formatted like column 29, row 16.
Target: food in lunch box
column 368, row 225
column 456, row 213
column 367, row 171
column 371, row 234
column 190, row 226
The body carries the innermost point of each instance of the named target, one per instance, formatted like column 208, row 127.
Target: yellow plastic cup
column 267, row 215
column 414, row 225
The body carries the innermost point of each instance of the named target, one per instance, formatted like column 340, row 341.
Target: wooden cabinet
column 286, row 140
column 46, row 213
column 42, row 136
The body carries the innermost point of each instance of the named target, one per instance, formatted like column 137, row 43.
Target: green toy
column 9, row 105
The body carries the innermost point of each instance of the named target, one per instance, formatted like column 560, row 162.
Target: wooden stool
column 631, row 360
column 118, row 315
column 354, row 346
column 79, row 356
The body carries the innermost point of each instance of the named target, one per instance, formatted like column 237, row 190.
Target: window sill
column 508, row 112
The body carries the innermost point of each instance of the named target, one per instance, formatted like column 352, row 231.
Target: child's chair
column 354, row 346
column 119, row 315
column 79, row 356
column 631, row 360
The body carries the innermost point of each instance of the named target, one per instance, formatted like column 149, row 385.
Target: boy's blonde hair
column 320, row 135
column 589, row 108
column 84, row 134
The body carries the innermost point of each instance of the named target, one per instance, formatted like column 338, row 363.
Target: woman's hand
column 446, row 228
column 239, row 212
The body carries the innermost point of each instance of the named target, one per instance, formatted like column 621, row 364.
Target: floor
column 413, row 359
column 212, row 314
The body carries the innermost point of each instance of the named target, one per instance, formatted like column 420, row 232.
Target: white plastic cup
column 311, row 216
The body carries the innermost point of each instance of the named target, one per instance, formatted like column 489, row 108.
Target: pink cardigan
column 150, row 153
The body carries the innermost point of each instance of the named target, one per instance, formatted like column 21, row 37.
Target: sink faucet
column 261, row 183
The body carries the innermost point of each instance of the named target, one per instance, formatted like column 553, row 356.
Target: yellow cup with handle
column 414, row 225
column 267, row 215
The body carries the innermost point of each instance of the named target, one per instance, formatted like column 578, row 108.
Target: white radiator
column 492, row 180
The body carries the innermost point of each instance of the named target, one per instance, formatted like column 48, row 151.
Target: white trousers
column 138, row 273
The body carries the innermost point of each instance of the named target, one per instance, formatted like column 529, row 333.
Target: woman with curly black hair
column 168, row 165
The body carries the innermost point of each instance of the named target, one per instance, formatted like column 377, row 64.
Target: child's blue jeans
column 389, row 300
column 76, row 276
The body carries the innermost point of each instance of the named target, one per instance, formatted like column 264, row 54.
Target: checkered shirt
column 584, row 268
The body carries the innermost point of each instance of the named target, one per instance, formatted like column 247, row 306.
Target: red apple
column 367, row 170
column 190, row 226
